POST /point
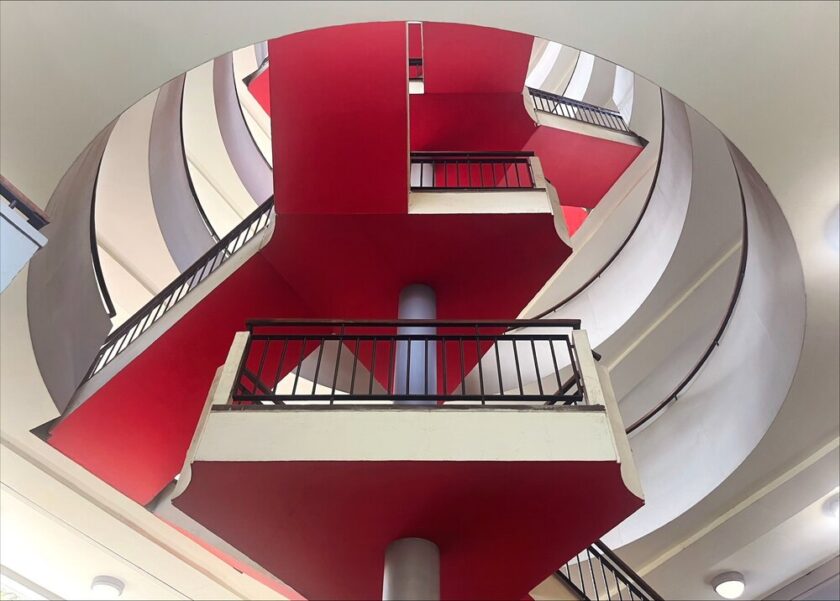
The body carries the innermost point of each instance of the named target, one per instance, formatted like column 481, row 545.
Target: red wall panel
column 134, row 432
column 339, row 119
column 454, row 122
column 465, row 59
column 260, row 90
column 582, row 168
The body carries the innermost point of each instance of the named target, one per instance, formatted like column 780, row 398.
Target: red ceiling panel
column 322, row 527
column 256, row 574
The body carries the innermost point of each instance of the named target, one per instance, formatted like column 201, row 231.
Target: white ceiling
column 765, row 73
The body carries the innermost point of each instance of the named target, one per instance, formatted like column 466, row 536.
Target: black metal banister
column 584, row 112
column 377, row 363
column 573, row 324
column 486, row 171
column 118, row 340
column 603, row 576
column 19, row 202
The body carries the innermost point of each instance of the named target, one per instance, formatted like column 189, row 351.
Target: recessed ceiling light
column 832, row 507
column 729, row 585
column 832, row 230
column 106, row 587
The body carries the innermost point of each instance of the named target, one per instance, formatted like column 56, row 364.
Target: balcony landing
column 315, row 495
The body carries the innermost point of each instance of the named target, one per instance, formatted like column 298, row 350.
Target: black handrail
column 376, row 359
column 94, row 248
column 577, row 110
column 626, row 240
column 484, row 171
column 573, row 324
column 590, row 578
column 18, row 201
column 736, row 293
column 118, row 340
column 204, row 218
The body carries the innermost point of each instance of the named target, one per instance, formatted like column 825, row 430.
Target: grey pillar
column 412, row 571
column 415, row 370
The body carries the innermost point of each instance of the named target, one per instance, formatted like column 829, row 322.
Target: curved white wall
column 609, row 301
column 250, row 164
column 136, row 262
column 225, row 200
column 579, row 81
column 623, row 91
column 601, row 84
column 726, row 410
column 679, row 319
column 182, row 222
column 611, row 222
column 258, row 121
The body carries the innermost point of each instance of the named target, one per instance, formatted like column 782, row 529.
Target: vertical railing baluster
column 537, row 366
column 261, row 364
column 499, row 368
column 392, row 386
column 604, row 574
column 580, row 571
column 337, row 362
column 355, row 362
column 518, row 372
column 463, row 373
column 592, row 572
column 372, row 367
column 444, row 388
column 279, row 369
column 299, row 366
column 574, row 359
column 426, row 366
column 478, row 360
column 318, row 366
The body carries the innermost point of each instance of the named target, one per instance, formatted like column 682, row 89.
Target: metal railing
column 409, row 361
column 472, row 171
column 598, row 574
column 128, row 332
column 19, row 202
column 577, row 110
column 415, row 69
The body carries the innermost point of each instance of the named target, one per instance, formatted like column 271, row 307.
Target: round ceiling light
column 106, row 587
column 729, row 585
column 832, row 507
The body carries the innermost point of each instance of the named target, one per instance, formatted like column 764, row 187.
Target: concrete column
column 415, row 371
column 412, row 571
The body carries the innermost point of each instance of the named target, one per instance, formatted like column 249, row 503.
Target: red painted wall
column 134, row 432
column 582, row 168
column 455, row 122
column 339, row 119
column 465, row 59
column 574, row 216
column 260, row 90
